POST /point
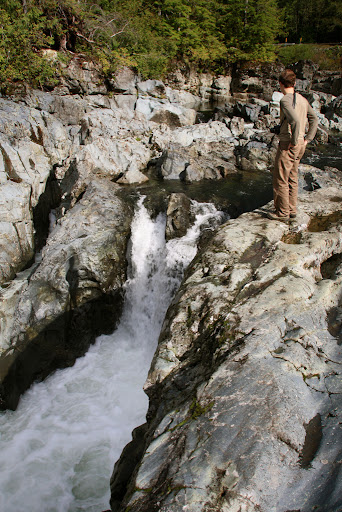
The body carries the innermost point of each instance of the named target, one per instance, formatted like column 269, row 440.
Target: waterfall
column 59, row 447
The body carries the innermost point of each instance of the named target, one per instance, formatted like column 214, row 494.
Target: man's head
column 287, row 78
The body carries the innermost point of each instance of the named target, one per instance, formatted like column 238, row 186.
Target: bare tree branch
column 91, row 41
column 120, row 31
column 111, row 21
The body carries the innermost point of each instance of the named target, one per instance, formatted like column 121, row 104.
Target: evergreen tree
column 250, row 28
column 313, row 21
column 190, row 27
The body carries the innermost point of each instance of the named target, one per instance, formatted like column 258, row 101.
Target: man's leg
column 282, row 168
column 298, row 152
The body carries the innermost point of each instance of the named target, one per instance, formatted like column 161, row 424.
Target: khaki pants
column 285, row 178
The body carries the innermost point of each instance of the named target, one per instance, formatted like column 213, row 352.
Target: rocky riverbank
column 66, row 156
column 245, row 386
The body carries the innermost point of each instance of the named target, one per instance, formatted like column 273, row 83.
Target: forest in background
column 154, row 36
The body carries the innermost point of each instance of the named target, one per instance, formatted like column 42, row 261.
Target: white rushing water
column 59, row 447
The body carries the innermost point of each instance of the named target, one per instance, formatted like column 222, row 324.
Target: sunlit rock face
column 53, row 144
column 245, row 385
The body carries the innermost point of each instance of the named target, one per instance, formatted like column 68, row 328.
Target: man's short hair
column 287, row 78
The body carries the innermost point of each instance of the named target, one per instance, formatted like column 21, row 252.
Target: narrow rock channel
column 59, row 446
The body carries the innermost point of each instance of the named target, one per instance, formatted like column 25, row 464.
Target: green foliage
column 152, row 34
column 326, row 56
column 21, row 39
column 190, row 27
column 250, row 28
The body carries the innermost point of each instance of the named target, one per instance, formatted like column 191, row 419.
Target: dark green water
column 325, row 155
column 234, row 195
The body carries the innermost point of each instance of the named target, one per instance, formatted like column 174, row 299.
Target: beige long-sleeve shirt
column 293, row 119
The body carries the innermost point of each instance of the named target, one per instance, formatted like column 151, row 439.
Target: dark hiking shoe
column 275, row 216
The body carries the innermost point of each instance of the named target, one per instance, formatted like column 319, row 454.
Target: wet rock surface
column 245, row 386
column 179, row 216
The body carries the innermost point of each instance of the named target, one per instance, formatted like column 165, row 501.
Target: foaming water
column 59, row 447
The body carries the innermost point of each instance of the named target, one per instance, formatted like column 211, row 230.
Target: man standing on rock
column 295, row 110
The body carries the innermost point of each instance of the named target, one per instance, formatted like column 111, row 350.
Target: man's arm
column 313, row 124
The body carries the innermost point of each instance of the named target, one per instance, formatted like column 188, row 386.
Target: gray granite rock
column 125, row 81
column 183, row 98
column 203, row 151
column 256, row 155
column 51, row 313
column 82, row 76
column 179, row 216
column 54, row 146
column 200, row 160
column 162, row 111
column 16, row 228
column 237, row 126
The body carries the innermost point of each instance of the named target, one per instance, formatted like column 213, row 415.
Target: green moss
column 189, row 316
column 175, row 489
column 195, row 411
column 146, row 491
column 179, row 424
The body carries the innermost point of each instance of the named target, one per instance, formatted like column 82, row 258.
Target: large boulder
column 248, row 111
column 82, row 76
column 161, row 111
column 237, row 126
column 112, row 144
column 52, row 312
column 213, row 131
column 245, row 386
column 311, row 178
column 204, row 151
column 333, row 112
column 17, row 234
column 125, row 81
column 329, row 82
column 197, row 162
column 221, row 89
column 183, row 98
column 256, row 155
column 257, row 80
column 178, row 216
